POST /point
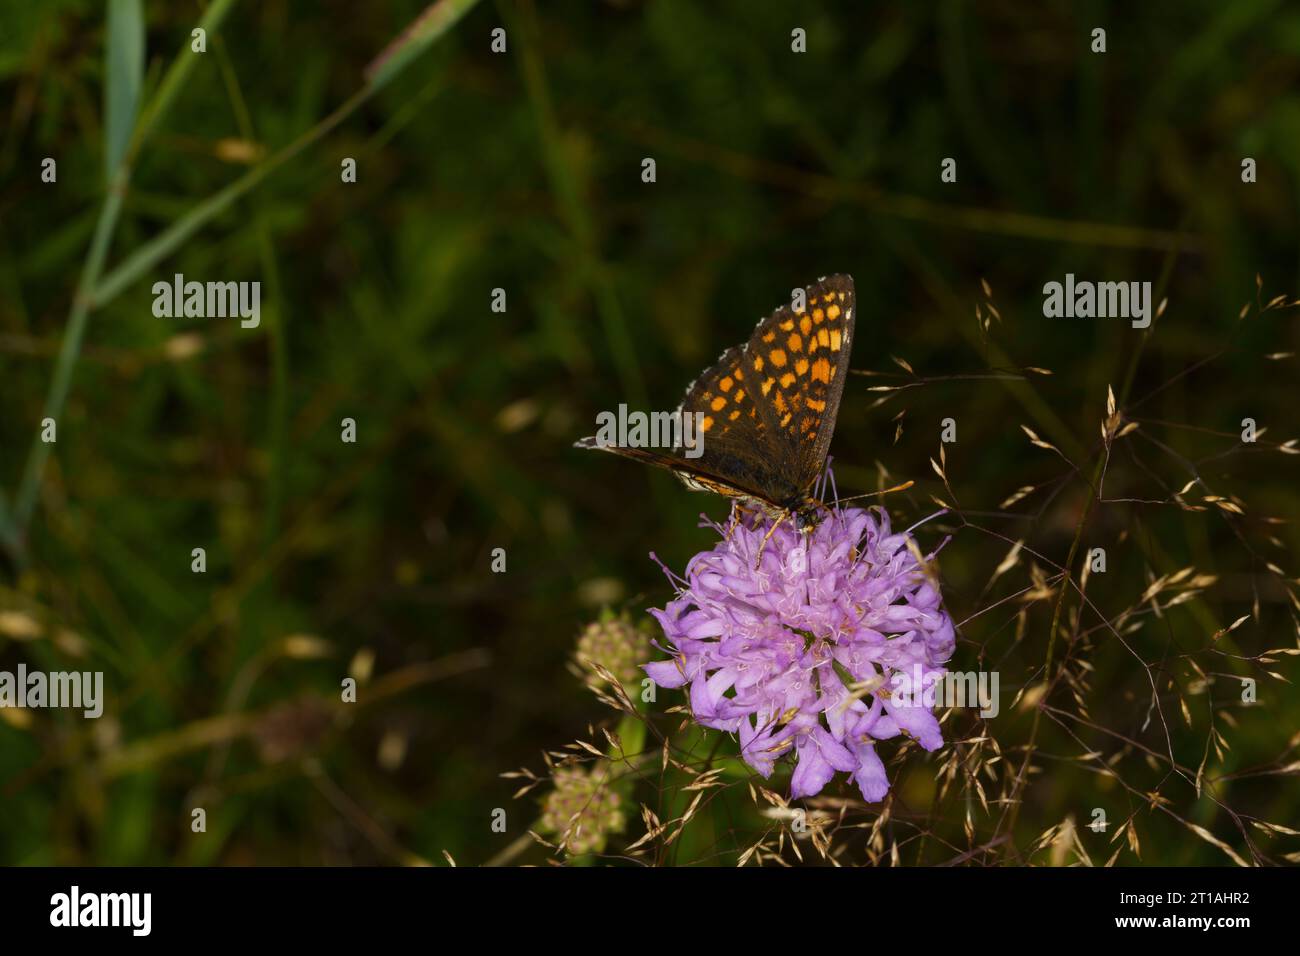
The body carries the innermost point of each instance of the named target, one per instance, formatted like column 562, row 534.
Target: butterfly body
column 806, row 509
column 766, row 409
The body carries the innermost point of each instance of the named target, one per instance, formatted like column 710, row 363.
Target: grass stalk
column 13, row 526
column 92, row 292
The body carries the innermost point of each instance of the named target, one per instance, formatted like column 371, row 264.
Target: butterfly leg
column 735, row 519
column 738, row 512
column 770, row 531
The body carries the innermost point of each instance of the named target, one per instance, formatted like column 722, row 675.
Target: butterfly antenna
column 823, row 478
column 873, row 494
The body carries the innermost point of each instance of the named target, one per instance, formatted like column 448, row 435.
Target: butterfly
column 766, row 409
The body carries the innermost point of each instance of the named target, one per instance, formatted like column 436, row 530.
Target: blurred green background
column 522, row 171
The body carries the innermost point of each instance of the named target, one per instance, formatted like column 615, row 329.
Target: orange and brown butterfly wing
column 733, row 435
column 831, row 343
column 688, row 470
column 767, row 409
column 735, row 431
column 727, row 428
column 798, row 360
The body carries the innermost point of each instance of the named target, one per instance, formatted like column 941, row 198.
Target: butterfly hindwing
column 733, row 429
column 688, row 470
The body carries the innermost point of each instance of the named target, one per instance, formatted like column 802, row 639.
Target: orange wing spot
column 785, row 421
column 821, row 371
column 740, row 376
column 718, row 404
column 707, row 423
column 734, row 414
column 780, row 403
column 819, row 316
column 824, row 337
column 740, row 395
column 794, row 343
column 726, row 384
column 835, row 340
column 833, row 312
column 767, row 386
column 812, row 300
column 758, row 364
column 808, row 424
column 817, row 405
column 801, row 367
column 777, row 357
column 805, row 325
column 769, row 336
column 787, row 325
column 788, row 379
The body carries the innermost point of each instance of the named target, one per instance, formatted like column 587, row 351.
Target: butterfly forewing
column 818, row 348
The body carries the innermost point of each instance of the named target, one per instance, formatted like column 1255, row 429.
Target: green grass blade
column 148, row 254
column 431, row 25
column 436, row 20
column 174, row 79
column 123, row 79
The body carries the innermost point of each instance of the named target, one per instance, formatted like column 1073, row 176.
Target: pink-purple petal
column 760, row 648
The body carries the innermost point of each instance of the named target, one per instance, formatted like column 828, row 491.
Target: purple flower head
column 804, row 653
